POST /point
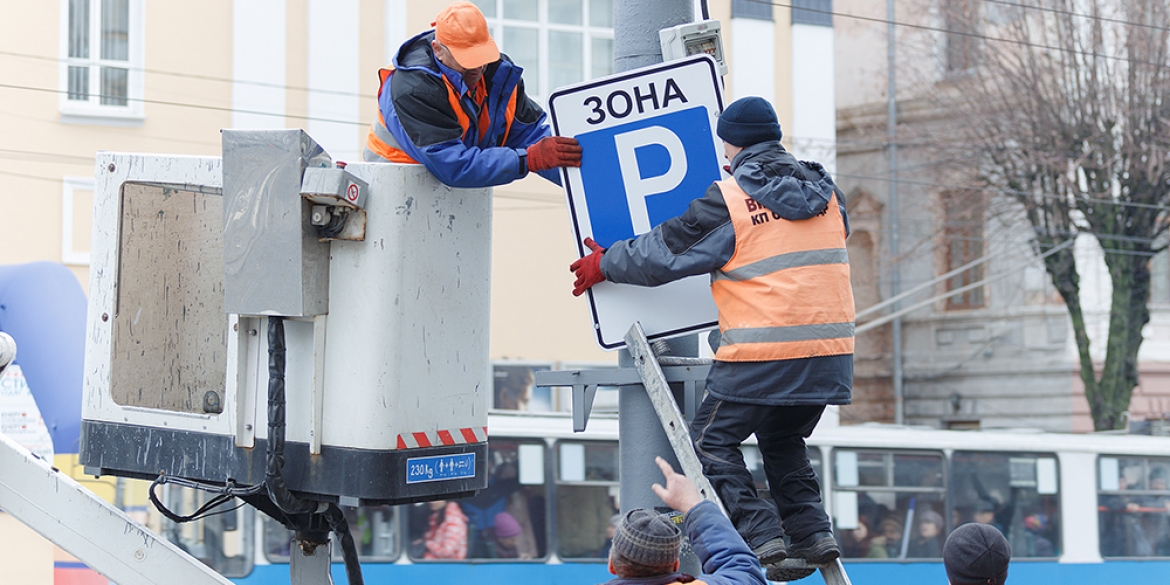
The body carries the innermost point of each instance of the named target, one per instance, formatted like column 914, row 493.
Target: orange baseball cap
column 462, row 28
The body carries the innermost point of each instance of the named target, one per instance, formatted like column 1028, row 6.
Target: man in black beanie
column 976, row 554
column 646, row 543
column 772, row 238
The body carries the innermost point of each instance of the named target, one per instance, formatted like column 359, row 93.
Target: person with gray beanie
column 646, row 544
column 976, row 554
column 772, row 238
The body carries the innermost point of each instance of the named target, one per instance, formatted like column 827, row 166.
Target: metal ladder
column 650, row 370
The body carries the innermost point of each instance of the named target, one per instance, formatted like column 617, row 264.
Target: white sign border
column 567, row 184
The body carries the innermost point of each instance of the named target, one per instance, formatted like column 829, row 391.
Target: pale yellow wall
column 26, row 558
column 177, row 39
column 534, row 314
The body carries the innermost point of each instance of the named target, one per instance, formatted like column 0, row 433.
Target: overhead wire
column 194, row 106
column 202, row 77
column 962, row 33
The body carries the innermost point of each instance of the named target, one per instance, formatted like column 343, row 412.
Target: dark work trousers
column 718, row 430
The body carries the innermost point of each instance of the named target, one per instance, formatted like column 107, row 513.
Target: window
column 222, row 539
column 102, row 46
column 587, row 498
column 557, row 42
column 961, row 21
column 816, row 12
column 1015, row 492
column 374, row 531
column 878, row 493
column 1133, row 500
column 505, row 520
column 513, row 388
column 963, row 239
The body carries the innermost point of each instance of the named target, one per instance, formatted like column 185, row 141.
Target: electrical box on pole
column 693, row 38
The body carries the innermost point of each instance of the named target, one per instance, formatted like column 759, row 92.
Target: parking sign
column 650, row 148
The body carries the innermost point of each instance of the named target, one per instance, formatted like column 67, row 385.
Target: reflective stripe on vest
column 382, row 145
column 785, row 293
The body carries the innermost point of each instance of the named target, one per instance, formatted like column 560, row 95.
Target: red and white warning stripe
column 442, row 437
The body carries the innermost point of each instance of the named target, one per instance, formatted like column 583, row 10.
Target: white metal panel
column 1079, row 486
column 259, row 55
column 114, row 170
column 407, row 340
column 88, row 527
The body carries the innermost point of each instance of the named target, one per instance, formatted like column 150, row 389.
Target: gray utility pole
column 895, row 262
column 641, row 437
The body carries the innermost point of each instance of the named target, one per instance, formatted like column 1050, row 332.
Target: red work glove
column 554, row 151
column 588, row 269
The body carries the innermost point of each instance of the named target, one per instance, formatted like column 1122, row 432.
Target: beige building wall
column 188, row 98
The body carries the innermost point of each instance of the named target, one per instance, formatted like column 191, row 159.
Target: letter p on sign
column 639, row 174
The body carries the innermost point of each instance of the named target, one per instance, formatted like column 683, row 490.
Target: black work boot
column 818, row 548
column 787, row 574
column 771, row 552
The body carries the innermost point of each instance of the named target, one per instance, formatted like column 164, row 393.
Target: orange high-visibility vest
column 785, row 293
column 382, row 142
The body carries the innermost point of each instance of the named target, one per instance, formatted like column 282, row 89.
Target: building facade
column 1000, row 353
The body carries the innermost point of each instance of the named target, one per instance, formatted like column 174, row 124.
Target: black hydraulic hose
column 277, row 490
column 706, row 12
column 340, row 527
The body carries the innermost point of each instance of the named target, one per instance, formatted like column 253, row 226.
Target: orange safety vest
column 785, row 293
column 382, row 142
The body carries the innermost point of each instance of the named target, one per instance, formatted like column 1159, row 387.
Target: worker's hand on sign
column 680, row 493
column 588, row 269
column 554, row 151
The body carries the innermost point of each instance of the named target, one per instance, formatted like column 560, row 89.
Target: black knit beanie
column 647, row 538
column 976, row 554
column 748, row 121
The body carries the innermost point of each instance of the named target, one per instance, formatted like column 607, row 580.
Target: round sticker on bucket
column 352, row 193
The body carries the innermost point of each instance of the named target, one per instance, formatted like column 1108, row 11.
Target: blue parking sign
column 664, row 163
column 649, row 149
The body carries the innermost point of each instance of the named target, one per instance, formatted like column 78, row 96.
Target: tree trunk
column 1062, row 269
column 1129, row 313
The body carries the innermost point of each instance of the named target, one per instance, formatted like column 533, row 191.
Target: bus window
column 505, row 520
column 586, row 498
column 878, row 493
column 373, row 529
column 1015, row 492
column 1134, row 503
column 221, row 539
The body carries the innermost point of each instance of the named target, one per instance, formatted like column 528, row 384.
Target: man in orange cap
column 452, row 102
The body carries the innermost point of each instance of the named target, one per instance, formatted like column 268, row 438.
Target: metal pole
column 895, row 263
column 636, row 44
